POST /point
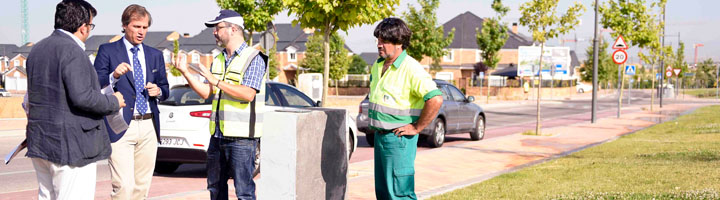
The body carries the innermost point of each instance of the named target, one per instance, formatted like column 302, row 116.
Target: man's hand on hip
column 153, row 90
column 121, row 69
column 406, row 130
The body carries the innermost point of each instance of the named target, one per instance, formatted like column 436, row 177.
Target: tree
column 329, row 16
column 255, row 13
column 680, row 63
column 539, row 16
column 633, row 20
column 357, row 65
column 705, row 73
column 491, row 38
column 176, row 48
column 428, row 39
column 274, row 64
column 339, row 59
column 606, row 67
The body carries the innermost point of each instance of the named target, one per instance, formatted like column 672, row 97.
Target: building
column 7, row 51
column 463, row 53
column 16, row 80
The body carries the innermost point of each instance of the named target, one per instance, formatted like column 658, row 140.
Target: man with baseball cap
column 236, row 79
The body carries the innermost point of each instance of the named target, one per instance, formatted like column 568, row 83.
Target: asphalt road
column 18, row 181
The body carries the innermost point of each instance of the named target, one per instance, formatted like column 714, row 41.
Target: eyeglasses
column 92, row 26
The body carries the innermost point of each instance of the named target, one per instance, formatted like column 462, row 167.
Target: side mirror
column 471, row 99
column 318, row 104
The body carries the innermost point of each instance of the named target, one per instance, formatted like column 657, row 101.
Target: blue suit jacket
column 109, row 56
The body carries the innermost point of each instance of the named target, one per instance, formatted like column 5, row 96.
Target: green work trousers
column 395, row 166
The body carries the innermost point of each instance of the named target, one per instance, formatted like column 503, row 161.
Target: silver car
column 458, row 114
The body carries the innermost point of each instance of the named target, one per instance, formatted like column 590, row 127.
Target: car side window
column 294, row 97
column 445, row 93
column 456, row 94
column 270, row 99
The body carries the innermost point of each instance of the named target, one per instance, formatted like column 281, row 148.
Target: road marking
column 17, row 172
column 177, row 195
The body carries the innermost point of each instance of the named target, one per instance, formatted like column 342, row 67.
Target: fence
column 514, row 83
column 363, row 80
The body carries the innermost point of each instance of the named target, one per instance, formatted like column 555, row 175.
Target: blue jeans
column 231, row 158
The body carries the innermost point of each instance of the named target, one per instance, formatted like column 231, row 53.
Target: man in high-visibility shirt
column 236, row 79
column 403, row 101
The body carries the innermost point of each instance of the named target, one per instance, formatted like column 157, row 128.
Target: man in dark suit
column 65, row 131
column 143, row 83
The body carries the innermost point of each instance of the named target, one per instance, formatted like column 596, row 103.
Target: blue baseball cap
column 227, row 16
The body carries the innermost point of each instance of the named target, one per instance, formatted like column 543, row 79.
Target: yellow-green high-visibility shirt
column 398, row 96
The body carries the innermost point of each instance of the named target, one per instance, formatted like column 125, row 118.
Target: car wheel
column 479, row 132
column 581, row 90
column 370, row 139
column 166, row 167
column 350, row 144
column 437, row 137
column 257, row 160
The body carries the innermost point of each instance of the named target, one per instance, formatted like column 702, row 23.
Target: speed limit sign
column 619, row 57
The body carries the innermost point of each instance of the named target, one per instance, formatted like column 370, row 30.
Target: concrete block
column 303, row 155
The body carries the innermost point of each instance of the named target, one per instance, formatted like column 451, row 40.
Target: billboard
column 556, row 60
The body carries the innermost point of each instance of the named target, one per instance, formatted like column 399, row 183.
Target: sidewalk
column 448, row 168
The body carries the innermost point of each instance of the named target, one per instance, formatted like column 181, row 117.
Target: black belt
column 142, row 117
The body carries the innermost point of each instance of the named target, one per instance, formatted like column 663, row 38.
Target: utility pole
column 24, row 31
column 696, row 47
column 662, row 59
column 593, row 117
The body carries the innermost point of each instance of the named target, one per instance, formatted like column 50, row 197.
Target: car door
column 464, row 112
column 451, row 109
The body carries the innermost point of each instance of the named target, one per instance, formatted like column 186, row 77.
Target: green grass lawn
column 679, row 159
column 702, row 93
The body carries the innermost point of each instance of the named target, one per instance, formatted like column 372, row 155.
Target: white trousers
column 65, row 182
column 132, row 161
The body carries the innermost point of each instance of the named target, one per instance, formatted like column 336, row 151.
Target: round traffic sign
column 619, row 57
column 668, row 74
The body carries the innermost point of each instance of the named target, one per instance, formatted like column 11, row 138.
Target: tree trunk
column 250, row 39
column 487, row 97
column 326, row 71
column 537, row 124
column 652, row 88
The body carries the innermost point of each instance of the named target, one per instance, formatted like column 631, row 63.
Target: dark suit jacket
column 65, row 121
column 109, row 56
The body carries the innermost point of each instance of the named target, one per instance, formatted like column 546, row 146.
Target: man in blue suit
column 142, row 82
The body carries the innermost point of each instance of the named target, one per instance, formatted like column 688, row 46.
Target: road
column 18, row 181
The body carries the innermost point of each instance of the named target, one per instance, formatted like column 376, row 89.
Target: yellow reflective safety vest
column 398, row 97
column 237, row 118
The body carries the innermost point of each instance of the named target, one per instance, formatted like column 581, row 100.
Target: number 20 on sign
column 619, row 57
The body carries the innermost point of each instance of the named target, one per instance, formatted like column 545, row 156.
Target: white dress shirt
column 141, row 58
column 77, row 40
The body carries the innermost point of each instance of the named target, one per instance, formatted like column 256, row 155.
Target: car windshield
column 184, row 96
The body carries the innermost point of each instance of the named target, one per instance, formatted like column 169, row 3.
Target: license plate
column 172, row 142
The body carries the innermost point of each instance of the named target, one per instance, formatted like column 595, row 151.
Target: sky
column 695, row 21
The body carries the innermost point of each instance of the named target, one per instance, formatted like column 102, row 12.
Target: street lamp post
column 593, row 117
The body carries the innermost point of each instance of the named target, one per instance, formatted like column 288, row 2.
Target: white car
column 582, row 87
column 184, row 119
column 4, row 93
